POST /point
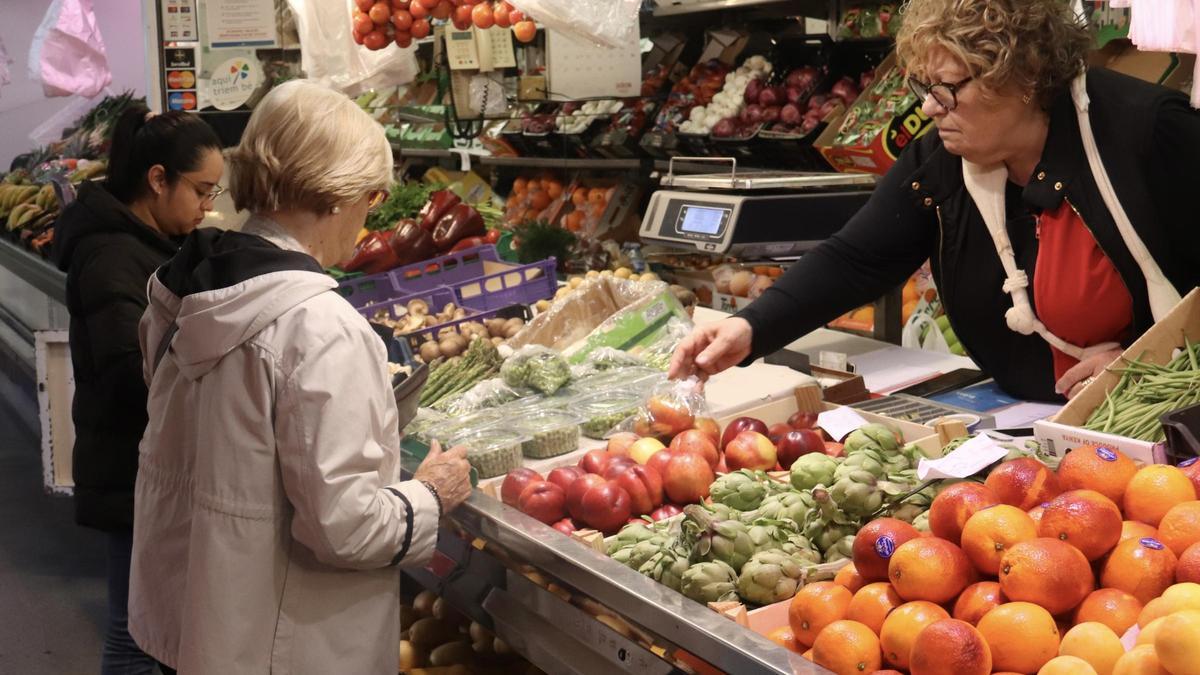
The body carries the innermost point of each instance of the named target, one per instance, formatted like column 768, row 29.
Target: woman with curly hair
column 1053, row 201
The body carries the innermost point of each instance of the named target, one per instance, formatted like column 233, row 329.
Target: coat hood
column 220, row 291
column 96, row 211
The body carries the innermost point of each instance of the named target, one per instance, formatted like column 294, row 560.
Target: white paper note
column 968, row 459
column 840, row 421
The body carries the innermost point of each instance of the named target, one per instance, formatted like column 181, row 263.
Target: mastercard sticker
column 181, row 100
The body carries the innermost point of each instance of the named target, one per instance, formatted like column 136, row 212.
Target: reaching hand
column 1081, row 375
column 712, row 348
column 449, row 472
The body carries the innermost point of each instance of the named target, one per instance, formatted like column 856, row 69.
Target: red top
column 1078, row 293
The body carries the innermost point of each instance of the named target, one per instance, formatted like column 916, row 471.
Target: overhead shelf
column 810, row 8
column 528, row 162
column 35, row 271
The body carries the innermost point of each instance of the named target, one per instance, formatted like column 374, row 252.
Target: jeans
column 121, row 655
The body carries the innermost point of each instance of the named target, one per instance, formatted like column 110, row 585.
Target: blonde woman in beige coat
column 269, row 514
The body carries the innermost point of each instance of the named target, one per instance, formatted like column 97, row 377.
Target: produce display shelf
column 671, row 617
column 814, row 8
column 36, row 272
column 562, row 163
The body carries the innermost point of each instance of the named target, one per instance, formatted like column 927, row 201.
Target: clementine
column 849, row 577
column 1144, row 568
column 1180, row 527
column 1191, row 469
column 1048, row 572
column 954, row 506
column 1188, row 568
column 783, row 637
column 1094, row 467
column 1132, row 529
column 1085, row 519
column 1110, row 606
column 977, row 600
column 872, row 603
column 1067, row 665
column 1021, row 635
column 991, row 532
column 928, row 568
column 1023, row 483
column 1141, row 660
column 950, row 647
column 1153, row 490
column 1095, row 643
column 876, row 542
column 902, row 627
column 817, row 605
column 1037, row 512
column 847, row 648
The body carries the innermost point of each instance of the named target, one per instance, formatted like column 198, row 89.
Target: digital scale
column 919, row 410
column 756, row 215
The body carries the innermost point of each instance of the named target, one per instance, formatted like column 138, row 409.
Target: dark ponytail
column 176, row 140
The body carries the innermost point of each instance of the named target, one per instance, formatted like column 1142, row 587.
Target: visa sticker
column 1150, row 542
column 1106, row 454
column 885, row 546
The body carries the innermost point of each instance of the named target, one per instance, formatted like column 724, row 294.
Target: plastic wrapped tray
column 603, row 411
column 550, row 433
column 493, row 451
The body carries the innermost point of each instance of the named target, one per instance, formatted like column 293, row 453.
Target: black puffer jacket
column 108, row 255
column 1149, row 140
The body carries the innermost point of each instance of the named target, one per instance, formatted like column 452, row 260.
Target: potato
column 513, row 326
column 606, row 273
column 497, row 340
column 445, row 612
column 450, row 654
column 423, row 603
column 408, row 616
column 542, row 305
column 430, row 351
column 428, row 633
column 450, row 346
column 410, row 656
column 500, row 646
column 480, row 633
column 623, row 273
column 649, row 276
column 563, row 292
column 593, row 274
column 575, row 282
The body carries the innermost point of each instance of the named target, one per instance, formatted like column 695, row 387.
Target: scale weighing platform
column 919, row 410
column 755, row 215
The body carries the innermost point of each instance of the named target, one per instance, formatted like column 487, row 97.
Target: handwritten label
column 970, row 458
column 840, row 421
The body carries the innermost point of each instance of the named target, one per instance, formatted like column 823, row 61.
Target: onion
column 741, row 282
column 804, row 78
column 753, row 89
column 817, row 101
column 795, row 95
column 771, row 114
column 790, row 114
column 769, row 96
column 830, row 106
column 866, row 80
column 724, row 129
column 753, row 114
column 845, row 90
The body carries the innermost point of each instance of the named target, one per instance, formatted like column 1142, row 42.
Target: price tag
column 968, row 459
column 840, row 421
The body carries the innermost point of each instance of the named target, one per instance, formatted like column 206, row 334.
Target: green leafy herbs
column 404, row 201
column 540, row 240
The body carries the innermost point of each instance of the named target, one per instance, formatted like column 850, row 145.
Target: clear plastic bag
column 572, row 317
column 536, row 367
column 603, row 360
column 611, row 23
column 671, row 409
column 328, row 53
column 67, row 54
column 487, row 394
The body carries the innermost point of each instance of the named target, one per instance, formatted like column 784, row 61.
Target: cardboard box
column 879, row 155
column 1170, row 70
column 1063, row 432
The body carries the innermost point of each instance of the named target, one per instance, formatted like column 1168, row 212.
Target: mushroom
column 418, row 306
column 459, row 313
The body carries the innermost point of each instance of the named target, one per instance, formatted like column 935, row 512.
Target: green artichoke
column 631, row 534
column 771, row 576
column 742, row 490
column 841, row 549
column 635, row 555
column 857, row 494
column 727, row 541
column 863, row 460
column 793, row 506
column 921, row 522
column 666, row 567
column 906, row 511
column 813, row 469
column 872, row 437
column 712, row 581
column 721, row 511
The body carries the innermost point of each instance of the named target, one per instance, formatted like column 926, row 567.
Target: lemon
column 1067, row 665
column 1094, row 643
column 1139, row 661
column 1178, row 642
column 1155, row 609
column 1149, row 632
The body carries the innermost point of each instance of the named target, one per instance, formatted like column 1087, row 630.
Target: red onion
column 725, row 128
column 771, row 114
column 845, row 90
column 866, row 79
column 828, row 107
column 790, row 114
column 753, row 89
column 817, row 101
column 804, row 78
column 770, row 96
column 753, row 114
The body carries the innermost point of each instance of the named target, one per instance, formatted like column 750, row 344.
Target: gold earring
column 336, row 210
column 1026, row 99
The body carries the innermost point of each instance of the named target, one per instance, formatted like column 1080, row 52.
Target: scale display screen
column 702, row 220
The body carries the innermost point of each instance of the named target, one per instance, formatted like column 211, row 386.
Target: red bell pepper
column 466, row 243
column 373, row 254
column 411, row 243
column 459, row 222
column 439, row 205
column 492, row 236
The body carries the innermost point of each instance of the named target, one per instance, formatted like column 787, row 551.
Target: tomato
column 524, row 31
column 418, row 11
column 443, row 10
column 428, row 4
column 462, row 17
column 364, row 6
column 358, row 37
column 375, row 40
column 500, row 14
column 492, row 236
column 515, row 16
column 403, row 39
column 380, row 12
column 363, row 24
column 481, row 16
column 420, row 28
column 402, row 20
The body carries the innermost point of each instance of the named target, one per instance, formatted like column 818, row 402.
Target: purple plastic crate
column 369, row 290
column 480, row 279
column 436, row 299
column 446, row 270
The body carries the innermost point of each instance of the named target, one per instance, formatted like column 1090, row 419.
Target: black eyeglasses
column 945, row 93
